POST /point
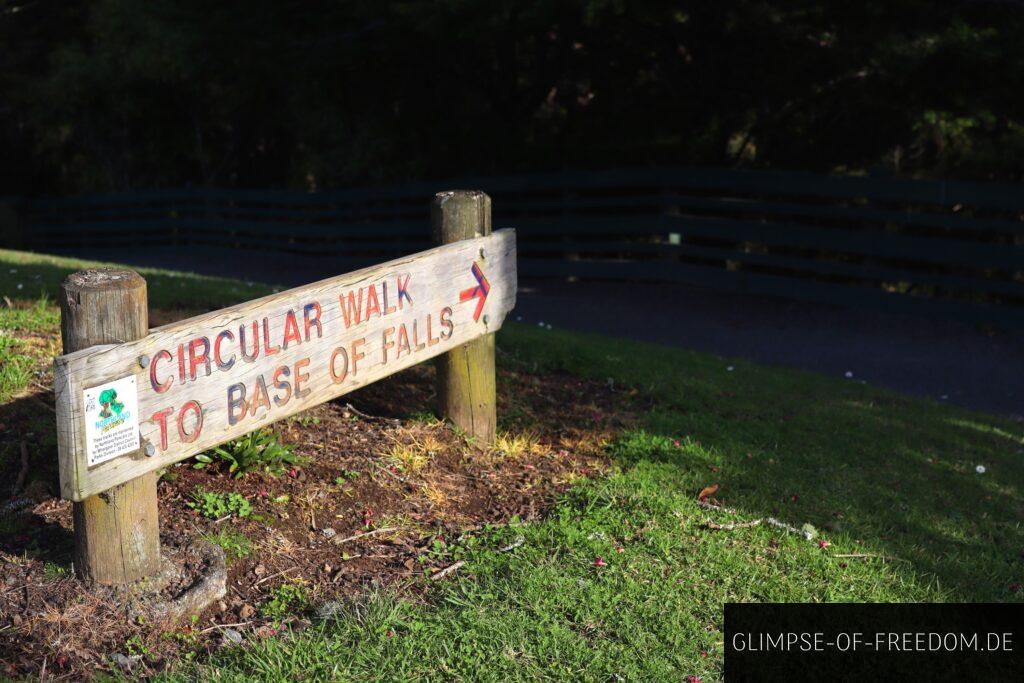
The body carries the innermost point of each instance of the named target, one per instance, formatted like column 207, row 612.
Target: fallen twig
column 447, row 570
column 382, row 530
column 870, row 555
column 513, row 545
column 711, row 506
column 372, row 418
column 217, row 626
column 388, row 472
column 729, row 527
column 806, row 533
column 788, row 527
column 272, row 576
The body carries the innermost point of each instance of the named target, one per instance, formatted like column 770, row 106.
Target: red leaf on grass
column 599, row 562
column 707, row 491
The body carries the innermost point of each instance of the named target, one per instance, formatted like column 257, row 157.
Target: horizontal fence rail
column 927, row 247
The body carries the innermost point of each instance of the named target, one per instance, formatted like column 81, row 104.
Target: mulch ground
column 378, row 488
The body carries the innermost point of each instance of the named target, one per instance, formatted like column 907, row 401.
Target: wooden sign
column 126, row 409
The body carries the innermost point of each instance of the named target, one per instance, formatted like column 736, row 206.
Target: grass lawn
column 624, row 576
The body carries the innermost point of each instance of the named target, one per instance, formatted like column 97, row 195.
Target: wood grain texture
column 388, row 339
column 466, row 390
column 117, row 533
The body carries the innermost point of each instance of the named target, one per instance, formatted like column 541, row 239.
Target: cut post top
column 103, row 279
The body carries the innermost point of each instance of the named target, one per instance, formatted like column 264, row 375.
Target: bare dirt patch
column 382, row 482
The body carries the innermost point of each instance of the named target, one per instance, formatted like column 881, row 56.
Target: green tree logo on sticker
column 111, row 406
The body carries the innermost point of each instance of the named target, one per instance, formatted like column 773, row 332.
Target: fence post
column 117, row 532
column 466, row 389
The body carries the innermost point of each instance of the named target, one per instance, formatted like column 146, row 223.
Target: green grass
column 32, row 283
column 286, row 599
column 886, row 478
column 18, row 360
column 236, row 546
column 41, row 274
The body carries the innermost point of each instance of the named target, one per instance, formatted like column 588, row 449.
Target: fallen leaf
column 707, row 491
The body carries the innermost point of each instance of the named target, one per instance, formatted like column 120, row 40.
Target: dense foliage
column 118, row 94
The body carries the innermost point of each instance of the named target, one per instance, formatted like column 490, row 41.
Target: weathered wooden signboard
column 130, row 408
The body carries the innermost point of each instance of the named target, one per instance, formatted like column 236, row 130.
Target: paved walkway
column 942, row 359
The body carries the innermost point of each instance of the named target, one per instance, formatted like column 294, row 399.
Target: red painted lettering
column 194, row 359
column 221, row 364
column 387, row 309
column 291, row 330
column 372, row 304
column 386, row 344
column 187, row 437
column 403, row 290
column 260, row 396
column 301, row 377
column 161, row 419
column 353, row 312
column 403, row 341
column 357, row 355
column 181, row 363
column 282, row 385
column 158, row 386
column 267, row 349
column 416, row 343
column 447, row 326
column 311, row 320
column 430, row 340
column 236, row 402
column 338, row 376
column 255, row 343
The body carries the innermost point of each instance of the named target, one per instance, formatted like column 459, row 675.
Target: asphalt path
column 941, row 359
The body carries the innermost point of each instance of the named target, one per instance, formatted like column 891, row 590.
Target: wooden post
column 466, row 388
column 117, row 532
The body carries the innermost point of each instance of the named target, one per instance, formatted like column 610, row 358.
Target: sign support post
column 466, row 390
column 117, row 532
column 131, row 401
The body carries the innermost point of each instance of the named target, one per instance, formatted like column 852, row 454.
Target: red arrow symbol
column 480, row 291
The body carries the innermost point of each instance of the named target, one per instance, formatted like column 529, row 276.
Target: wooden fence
column 927, row 247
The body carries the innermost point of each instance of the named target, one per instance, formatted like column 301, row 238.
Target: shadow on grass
column 29, row 420
column 930, row 487
column 25, row 275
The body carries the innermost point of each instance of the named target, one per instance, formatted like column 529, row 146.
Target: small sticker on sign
column 111, row 420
